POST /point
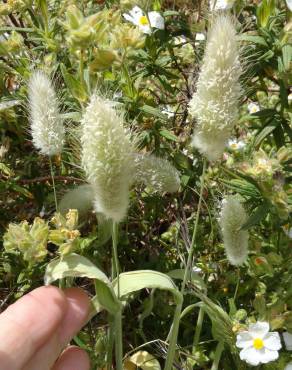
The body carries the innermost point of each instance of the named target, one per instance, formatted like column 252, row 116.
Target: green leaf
column 265, row 132
column 134, row 281
column 75, row 86
column 264, row 10
column 195, row 278
column 153, row 112
column 168, row 135
column 287, row 56
column 74, row 265
column 257, row 216
column 254, row 39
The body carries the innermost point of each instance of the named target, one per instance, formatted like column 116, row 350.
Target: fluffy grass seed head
column 107, row 157
column 156, row 173
column 232, row 217
column 46, row 124
column 215, row 103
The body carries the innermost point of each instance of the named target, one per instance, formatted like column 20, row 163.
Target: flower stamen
column 143, row 20
column 258, row 343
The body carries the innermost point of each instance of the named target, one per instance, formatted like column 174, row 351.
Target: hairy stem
column 118, row 315
column 217, row 357
column 53, row 182
column 187, row 273
column 198, row 329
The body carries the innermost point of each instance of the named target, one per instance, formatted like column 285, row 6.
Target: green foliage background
column 81, row 45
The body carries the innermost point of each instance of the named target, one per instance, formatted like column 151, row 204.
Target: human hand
column 35, row 330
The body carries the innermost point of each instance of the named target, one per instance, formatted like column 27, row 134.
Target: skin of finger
column 74, row 318
column 73, row 358
column 28, row 324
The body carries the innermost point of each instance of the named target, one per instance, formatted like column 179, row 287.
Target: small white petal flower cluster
column 253, row 107
column 215, row 103
column 259, row 346
column 236, row 145
column 232, row 217
column 140, row 19
column 107, row 157
column 156, row 173
column 46, row 124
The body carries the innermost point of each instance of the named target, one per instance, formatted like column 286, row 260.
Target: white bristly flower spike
column 232, row 217
column 156, row 173
column 47, row 128
column 215, row 103
column 107, row 157
column 259, row 346
column 140, row 19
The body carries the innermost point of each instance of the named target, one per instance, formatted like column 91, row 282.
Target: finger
column 73, row 358
column 27, row 324
column 75, row 317
column 76, row 314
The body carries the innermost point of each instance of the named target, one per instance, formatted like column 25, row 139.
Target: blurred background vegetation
column 87, row 46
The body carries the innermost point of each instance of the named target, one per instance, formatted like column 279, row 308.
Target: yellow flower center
column 143, row 20
column 258, row 343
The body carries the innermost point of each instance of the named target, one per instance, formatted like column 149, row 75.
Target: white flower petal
column 289, row 4
column 129, row 18
column 253, row 107
column 244, row 340
column 145, row 28
column 265, row 355
column 288, row 341
column 259, row 329
column 156, row 20
column 289, row 366
column 272, row 341
column 136, row 12
column 250, row 356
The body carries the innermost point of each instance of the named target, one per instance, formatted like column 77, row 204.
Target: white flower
column 138, row 18
column 253, row 107
column 287, row 230
column 289, row 366
column 289, row 4
column 197, row 269
column 168, row 111
column 199, row 38
column 259, row 346
column 290, row 97
column 221, row 4
column 236, row 145
column 288, row 340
